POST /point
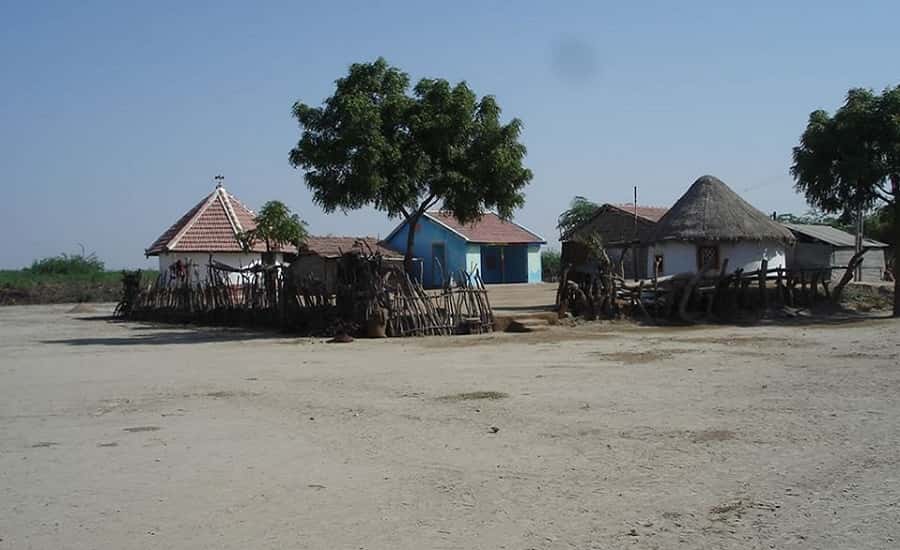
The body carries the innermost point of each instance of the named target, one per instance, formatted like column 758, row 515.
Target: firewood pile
column 382, row 300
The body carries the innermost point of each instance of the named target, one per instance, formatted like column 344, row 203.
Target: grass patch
column 470, row 396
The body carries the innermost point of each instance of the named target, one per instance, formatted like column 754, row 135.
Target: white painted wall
column 473, row 258
column 200, row 260
column 681, row 256
column 534, row 263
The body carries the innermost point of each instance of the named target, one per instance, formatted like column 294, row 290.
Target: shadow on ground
column 143, row 335
column 806, row 318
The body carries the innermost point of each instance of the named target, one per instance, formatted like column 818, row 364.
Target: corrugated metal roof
column 831, row 235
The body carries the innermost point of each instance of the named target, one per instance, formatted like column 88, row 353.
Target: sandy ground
column 522, row 299
column 609, row 436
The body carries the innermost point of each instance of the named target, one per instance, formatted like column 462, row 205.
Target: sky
column 116, row 116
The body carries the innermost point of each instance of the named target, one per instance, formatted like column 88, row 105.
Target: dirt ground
column 123, row 436
column 522, row 299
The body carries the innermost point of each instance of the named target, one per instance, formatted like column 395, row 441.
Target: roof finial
column 219, row 179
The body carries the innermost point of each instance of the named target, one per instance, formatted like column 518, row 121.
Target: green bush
column 76, row 264
column 550, row 265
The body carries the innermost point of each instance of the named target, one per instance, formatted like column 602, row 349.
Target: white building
column 711, row 223
column 208, row 231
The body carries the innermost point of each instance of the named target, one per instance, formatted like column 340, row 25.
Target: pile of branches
column 377, row 299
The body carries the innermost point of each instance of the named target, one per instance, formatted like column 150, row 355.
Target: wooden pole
column 763, row 295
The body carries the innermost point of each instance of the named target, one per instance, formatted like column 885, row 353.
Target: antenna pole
column 636, row 245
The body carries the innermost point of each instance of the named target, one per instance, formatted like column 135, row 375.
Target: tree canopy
column 851, row 160
column 579, row 211
column 276, row 226
column 376, row 142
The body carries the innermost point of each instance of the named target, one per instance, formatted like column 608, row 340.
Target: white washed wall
column 200, row 260
column 681, row 257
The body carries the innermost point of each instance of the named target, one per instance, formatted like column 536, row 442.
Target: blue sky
column 115, row 116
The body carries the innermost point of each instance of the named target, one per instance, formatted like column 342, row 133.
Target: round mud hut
column 711, row 223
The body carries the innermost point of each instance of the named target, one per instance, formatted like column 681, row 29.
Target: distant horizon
column 117, row 117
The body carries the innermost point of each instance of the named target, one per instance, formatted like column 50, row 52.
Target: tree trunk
column 411, row 223
column 848, row 275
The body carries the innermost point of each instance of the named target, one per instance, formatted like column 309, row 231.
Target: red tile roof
column 651, row 213
column 489, row 229
column 211, row 226
column 332, row 247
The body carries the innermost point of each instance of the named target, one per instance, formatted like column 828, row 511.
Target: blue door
column 438, row 264
column 492, row 264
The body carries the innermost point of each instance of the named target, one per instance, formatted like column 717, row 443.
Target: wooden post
column 763, row 294
column 717, row 286
column 779, row 284
column 803, row 291
column 686, row 295
column 814, row 284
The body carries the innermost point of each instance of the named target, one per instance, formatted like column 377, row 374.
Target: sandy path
column 132, row 436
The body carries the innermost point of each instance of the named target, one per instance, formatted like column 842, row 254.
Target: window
column 707, row 257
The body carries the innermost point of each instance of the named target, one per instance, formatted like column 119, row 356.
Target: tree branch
column 425, row 204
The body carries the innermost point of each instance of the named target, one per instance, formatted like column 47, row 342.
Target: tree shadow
column 154, row 334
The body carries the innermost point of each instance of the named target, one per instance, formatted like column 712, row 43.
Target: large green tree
column 376, row 142
column 851, row 160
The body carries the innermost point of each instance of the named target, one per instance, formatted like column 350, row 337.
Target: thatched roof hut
column 711, row 211
column 709, row 224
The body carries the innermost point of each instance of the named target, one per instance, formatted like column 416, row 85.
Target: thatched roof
column 711, row 211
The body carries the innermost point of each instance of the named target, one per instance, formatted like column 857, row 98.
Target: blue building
column 501, row 251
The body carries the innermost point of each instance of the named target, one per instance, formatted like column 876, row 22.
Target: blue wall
column 504, row 264
column 521, row 263
column 428, row 233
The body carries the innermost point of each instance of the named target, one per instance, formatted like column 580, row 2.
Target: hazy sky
column 115, row 116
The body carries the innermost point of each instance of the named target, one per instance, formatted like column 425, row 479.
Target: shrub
column 64, row 264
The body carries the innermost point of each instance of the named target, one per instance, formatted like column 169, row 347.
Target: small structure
column 318, row 258
column 206, row 234
column 501, row 251
column 823, row 246
column 624, row 231
column 711, row 223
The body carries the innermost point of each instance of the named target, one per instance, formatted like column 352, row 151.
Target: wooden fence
column 371, row 299
column 707, row 292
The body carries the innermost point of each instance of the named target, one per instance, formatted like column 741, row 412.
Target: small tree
column 374, row 143
column 277, row 227
column 852, row 160
column 579, row 211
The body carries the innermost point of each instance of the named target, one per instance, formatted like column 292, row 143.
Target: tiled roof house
column 207, row 231
column 500, row 251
